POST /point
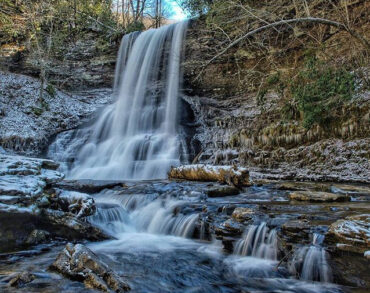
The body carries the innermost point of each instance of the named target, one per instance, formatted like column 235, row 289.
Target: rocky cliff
column 251, row 103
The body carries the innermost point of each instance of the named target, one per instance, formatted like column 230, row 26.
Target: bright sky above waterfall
column 178, row 13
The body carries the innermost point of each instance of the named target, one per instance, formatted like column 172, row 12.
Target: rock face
column 80, row 263
column 351, row 233
column 224, row 174
column 32, row 211
column 28, row 122
column 235, row 126
column 317, row 196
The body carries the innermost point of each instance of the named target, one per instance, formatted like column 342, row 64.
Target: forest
column 185, row 146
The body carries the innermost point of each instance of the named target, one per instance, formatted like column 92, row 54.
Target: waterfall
column 137, row 136
column 139, row 213
column 310, row 262
column 258, row 242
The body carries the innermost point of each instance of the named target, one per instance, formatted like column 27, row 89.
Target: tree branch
column 283, row 22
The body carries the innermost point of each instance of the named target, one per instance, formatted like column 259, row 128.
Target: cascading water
column 139, row 213
column 258, row 242
column 136, row 137
column 310, row 262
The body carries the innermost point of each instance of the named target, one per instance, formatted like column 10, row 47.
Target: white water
column 258, row 242
column 140, row 213
column 136, row 137
column 310, row 262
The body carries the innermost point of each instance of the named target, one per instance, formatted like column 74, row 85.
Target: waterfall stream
column 157, row 226
column 137, row 136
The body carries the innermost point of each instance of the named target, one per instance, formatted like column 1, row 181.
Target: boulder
column 21, row 279
column 37, row 236
column 77, row 262
column 296, row 230
column 351, row 234
column 243, row 214
column 229, row 228
column 231, row 175
column 304, row 186
column 69, row 226
column 222, row 191
column 318, row 196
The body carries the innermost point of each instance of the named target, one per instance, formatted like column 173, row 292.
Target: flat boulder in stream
column 78, row 262
column 318, row 196
column 351, row 234
column 232, row 175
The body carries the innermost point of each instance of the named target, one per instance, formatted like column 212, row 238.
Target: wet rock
column 67, row 225
column 37, row 236
column 243, row 214
column 226, row 209
column 23, row 176
column 318, row 196
column 351, row 234
column 231, row 175
column 304, row 186
column 21, row 279
column 351, row 189
column 83, row 207
column 229, row 228
column 222, row 191
column 89, row 186
column 296, row 230
column 80, row 263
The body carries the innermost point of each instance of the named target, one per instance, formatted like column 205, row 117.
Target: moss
column 51, row 90
column 37, row 111
column 320, row 91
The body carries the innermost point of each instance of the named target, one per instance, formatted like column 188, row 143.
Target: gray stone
column 80, row 263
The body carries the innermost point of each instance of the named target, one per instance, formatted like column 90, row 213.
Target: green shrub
column 135, row 26
column 320, row 91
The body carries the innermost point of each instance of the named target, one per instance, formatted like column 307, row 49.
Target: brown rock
column 242, row 214
column 80, row 263
column 317, row 196
column 21, row 279
column 351, row 234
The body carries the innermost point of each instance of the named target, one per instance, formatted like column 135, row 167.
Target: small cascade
column 258, row 242
column 310, row 262
column 136, row 213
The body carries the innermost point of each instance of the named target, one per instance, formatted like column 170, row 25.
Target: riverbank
column 273, row 228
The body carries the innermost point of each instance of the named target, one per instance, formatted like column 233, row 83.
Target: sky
column 178, row 13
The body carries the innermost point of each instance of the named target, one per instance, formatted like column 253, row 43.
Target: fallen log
column 232, row 175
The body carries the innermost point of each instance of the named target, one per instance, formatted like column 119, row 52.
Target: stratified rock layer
column 317, row 196
column 80, row 263
column 351, row 233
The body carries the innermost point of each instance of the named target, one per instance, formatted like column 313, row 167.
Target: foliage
column 320, row 90
column 196, row 7
column 50, row 90
column 135, row 26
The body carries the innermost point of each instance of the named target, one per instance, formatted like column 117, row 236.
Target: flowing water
column 137, row 136
column 258, row 242
column 162, row 241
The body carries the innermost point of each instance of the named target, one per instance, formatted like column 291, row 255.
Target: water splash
column 138, row 213
column 258, row 242
column 137, row 137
